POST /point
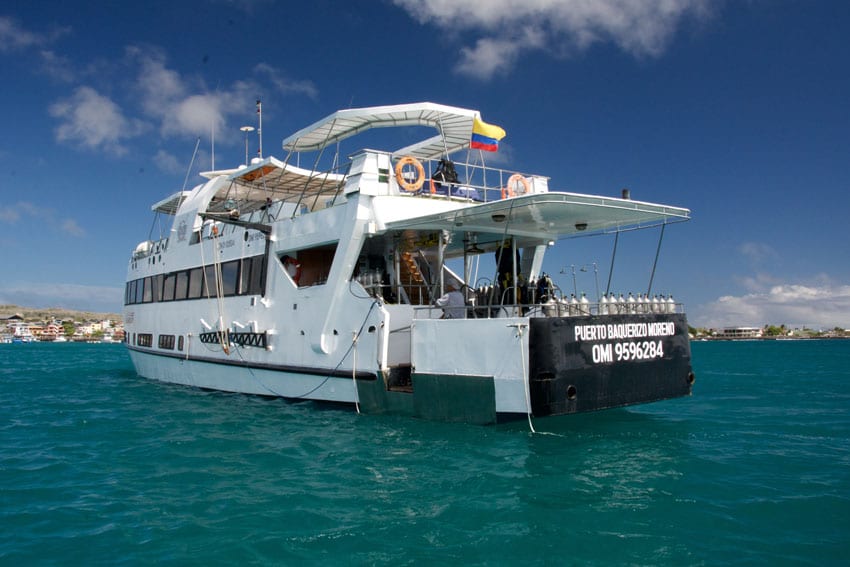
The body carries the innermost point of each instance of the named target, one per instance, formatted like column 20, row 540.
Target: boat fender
column 410, row 186
column 523, row 188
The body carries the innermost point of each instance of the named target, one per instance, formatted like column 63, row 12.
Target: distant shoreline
column 43, row 313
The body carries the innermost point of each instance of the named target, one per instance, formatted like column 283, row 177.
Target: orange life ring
column 410, row 187
column 508, row 190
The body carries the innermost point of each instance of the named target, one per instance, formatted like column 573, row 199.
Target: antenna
column 188, row 171
column 212, row 143
column 260, row 127
column 247, row 130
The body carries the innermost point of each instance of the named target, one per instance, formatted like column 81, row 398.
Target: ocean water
column 101, row 467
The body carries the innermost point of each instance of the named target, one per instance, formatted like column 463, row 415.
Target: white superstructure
column 315, row 283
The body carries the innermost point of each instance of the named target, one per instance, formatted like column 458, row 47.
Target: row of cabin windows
column 146, row 340
column 238, row 277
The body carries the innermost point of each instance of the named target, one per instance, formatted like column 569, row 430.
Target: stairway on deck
column 412, row 279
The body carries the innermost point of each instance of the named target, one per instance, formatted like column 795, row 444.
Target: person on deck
column 453, row 303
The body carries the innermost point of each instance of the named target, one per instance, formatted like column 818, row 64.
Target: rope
column 354, row 371
column 525, row 377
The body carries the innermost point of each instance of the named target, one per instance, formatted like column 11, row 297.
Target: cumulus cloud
column 13, row 37
column 92, row 120
column 817, row 306
column 758, row 252
column 70, row 227
column 184, row 106
column 284, row 84
column 168, row 162
column 9, row 214
column 28, row 211
column 507, row 28
column 56, row 66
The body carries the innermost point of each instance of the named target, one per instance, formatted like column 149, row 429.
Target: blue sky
column 739, row 111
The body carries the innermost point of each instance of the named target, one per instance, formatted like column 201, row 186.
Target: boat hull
column 589, row 363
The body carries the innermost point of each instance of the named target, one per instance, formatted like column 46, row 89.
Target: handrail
column 549, row 309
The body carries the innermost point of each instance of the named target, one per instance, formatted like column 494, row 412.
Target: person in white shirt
column 453, row 303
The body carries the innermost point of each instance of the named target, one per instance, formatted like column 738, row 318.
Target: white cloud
column 70, row 226
column 14, row 38
column 818, row 306
column 284, row 84
column 71, row 296
column 758, row 252
column 168, row 163
column 29, row 211
column 9, row 214
column 509, row 28
column 56, row 66
column 93, row 121
column 488, row 57
column 184, row 106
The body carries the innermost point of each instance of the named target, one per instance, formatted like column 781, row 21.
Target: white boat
column 321, row 283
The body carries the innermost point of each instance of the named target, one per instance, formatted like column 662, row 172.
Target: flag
column 485, row 136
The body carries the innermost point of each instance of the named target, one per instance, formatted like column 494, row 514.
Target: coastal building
column 740, row 333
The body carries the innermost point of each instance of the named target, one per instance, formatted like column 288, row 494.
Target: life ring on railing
column 508, row 190
column 410, row 186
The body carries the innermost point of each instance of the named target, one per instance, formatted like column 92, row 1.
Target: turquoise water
column 99, row 466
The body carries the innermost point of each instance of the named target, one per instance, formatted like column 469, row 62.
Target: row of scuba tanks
column 543, row 292
column 611, row 304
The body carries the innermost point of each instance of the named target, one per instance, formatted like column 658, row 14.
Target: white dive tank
column 603, row 305
column 573, row 305
column 584, row 305
column 631, row 308
column 671, row 304
column 655, row 306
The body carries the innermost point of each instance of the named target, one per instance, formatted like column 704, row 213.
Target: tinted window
column 196, row 283
column 229, row 277
column 182, row 285
column 168, row 287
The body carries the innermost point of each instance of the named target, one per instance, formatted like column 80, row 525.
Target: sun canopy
column 548, row 216
column 454, row 127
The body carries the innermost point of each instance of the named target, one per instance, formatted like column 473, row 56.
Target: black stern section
column 588, row 363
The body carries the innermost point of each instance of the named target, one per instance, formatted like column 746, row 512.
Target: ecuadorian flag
column 485, row 136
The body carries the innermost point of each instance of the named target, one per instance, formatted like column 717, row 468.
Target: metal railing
column 548, row 309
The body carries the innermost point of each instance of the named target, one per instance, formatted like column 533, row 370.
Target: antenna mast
column 260, row 127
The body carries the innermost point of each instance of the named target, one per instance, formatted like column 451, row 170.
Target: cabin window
column 168, row 287
column 196, row 283
column 258, row 276
column 180, row 343
column 166, row 342
column 147, row 296
column 209, row 281
column 315, row 264
column 230, row 277
column 130, row 293
column 181, row 287
column 245, row 277
column 140, row 290
column 144, row 340
column 157, row 287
